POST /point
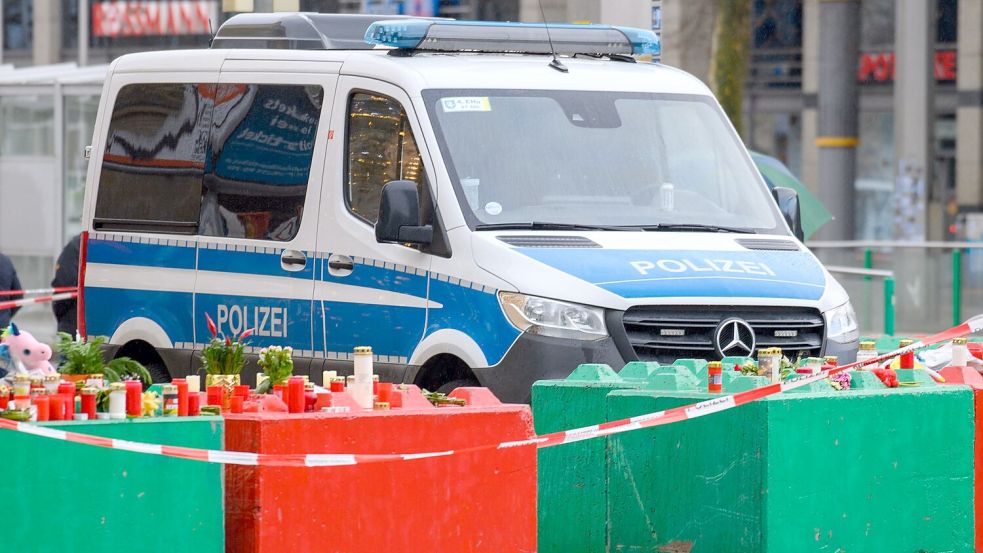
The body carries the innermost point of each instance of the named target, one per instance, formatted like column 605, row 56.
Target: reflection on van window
column 381, row 148
column 256, row 172
column 597, row 158
column 154, row 159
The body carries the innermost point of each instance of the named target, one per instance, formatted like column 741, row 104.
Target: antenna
column 556, row 63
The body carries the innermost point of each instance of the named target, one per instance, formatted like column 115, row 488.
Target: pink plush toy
column 29, row 355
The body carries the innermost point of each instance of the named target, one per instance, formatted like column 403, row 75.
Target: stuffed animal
column 27, row 354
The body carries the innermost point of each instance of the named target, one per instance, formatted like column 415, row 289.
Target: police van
column 488, row 203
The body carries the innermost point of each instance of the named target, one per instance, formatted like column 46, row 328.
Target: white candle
column 326, row 377
column 362, row 389
column 194, row 383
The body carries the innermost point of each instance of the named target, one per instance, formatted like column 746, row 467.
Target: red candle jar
column 68, row 390
column 242, row 391
column 907, row 360
column 215, row 395
column 235, row 404
column 295, row 394
column 134, row 398
column 43, row 406
column 4, row 401
column 280, row 391
column 310, row 397
column 715, row 377
column 385, row 391
column 182, row 396
column 194, row 404
column 338, row 385
column 89, row 402
column 56, row 407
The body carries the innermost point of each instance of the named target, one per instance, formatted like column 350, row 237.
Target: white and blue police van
column 483, row 203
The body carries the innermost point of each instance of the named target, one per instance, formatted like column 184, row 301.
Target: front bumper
column 534, row 358
column 845, row 353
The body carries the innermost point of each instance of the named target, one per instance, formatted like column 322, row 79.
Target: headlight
column 553, row 318
column 841, row 324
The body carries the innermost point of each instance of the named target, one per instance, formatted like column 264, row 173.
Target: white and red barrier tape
column 39, row 299
column 659, row 418
column 35, row 291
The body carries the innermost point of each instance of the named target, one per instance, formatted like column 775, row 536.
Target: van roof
column 441, row 70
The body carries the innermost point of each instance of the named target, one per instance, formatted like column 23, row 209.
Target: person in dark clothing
column 67, row 274
column 8, row 281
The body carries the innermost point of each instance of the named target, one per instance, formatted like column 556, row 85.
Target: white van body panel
column 144, row 329
column 453, row 342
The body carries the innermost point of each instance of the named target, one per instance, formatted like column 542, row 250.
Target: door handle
column 293, row 260
column 340, row 265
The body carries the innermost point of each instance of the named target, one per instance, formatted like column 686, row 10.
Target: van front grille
column 667, row 333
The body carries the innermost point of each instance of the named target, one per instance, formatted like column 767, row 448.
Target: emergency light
column 520, row 38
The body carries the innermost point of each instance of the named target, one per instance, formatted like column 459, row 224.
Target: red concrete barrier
column 479, row 501
column 971, row 378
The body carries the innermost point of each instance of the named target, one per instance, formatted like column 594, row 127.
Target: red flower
column 228, row 341
column 246, row 334
column 887, row 376
column 211, row 326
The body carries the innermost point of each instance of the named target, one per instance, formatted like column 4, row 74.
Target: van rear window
column 227, row 160
column 154, row 159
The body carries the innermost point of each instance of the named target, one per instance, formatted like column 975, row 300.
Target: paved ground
column 39, row 321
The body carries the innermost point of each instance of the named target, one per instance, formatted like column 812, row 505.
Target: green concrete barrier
column 572, row 477
column 60, row 496
column 870, row 469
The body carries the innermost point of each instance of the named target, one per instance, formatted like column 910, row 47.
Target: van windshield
column 605, row 159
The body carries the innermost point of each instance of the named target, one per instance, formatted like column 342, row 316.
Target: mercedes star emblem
column 734, row 337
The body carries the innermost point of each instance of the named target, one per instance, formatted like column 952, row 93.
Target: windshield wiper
column 537, row 225
column 691, row 227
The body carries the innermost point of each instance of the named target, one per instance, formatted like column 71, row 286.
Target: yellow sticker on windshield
column 466, row 103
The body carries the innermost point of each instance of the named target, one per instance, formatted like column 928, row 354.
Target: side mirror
column 399, row 215
column 788, row 204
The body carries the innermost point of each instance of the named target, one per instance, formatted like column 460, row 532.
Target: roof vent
column 297, row 31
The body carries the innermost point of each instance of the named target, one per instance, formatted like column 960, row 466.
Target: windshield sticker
column 493, row 208
column 466, row 103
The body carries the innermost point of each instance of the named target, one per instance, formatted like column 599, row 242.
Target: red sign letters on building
column 879, row 67
column 120, row 18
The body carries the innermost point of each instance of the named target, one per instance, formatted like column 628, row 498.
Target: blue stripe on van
column 136, row 254
column 390, row 330
column 249, row 263
column 475, row 313
column 269, row 317
column 107, row 308
column 672, row 273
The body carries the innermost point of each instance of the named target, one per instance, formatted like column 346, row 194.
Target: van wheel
column 158, row 372
column 146, row 355
column 459, row 383
column 444, row 373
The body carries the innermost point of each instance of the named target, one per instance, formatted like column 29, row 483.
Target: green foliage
column 223, row 356
column 730, row 57
column 83, row 356
column 277, row 363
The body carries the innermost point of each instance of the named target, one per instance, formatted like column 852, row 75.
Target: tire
column 459, row 383
column 158, row 372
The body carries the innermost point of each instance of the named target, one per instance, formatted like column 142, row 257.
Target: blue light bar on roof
column 499, row 37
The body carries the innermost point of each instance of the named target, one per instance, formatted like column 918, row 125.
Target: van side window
column 381, row 148
column 154, row 159
column 259, row 160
